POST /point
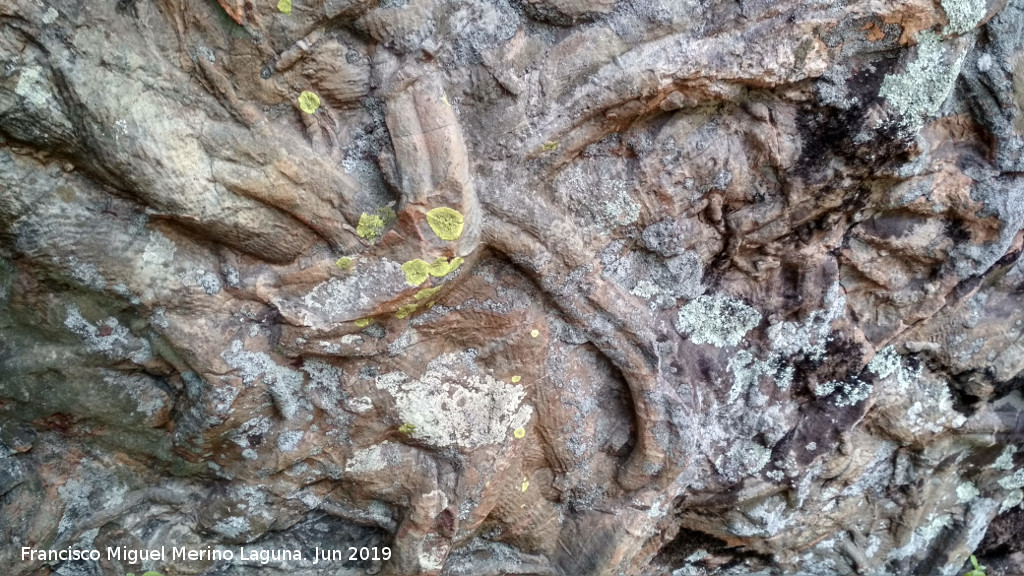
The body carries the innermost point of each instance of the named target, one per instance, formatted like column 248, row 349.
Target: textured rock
column 560, row 287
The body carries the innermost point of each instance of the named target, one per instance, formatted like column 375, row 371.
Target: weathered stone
column 561, row 287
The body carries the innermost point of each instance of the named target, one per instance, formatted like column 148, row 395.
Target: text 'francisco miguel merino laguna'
column 263, row 556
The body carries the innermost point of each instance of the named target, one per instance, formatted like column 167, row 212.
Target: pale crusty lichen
column 446, row 223
column 453, row 404
column 1005, row 460
column 717, row 320
column 963, row 15
column 919, row 92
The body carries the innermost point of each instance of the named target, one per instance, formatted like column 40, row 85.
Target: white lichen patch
column 1014, row 481
column 966, row 492
column 923, row 536
column 289, row 441
column 1005, row 460
column 918, row 93
column 374, row 458
column 767, row 519
column 853, row 392
column 451, row 404
column 107, row 337
column 1012, row 500
column 744, row 458
column 283, row 383
column 33, row 87
column 717, row 320
column 232, row 526
column 348, row 298
column 148, row 398
column 963, row 15
column 810, row 336
column 324, row 386
column 159, row 250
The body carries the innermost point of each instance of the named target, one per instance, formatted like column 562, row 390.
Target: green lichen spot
column 427, row 293
column 519, row 433
column 440, row 267
column 406, row 310
column 526, row 484
column 446, row 223
column 345, row 263
column 443, row 267
column 370, row 227
column 516, row 379
column 534, row 333
column 308, row 101
column 363, row 322
column 549, row 146
column 415, row 272
column 285, row 6
column 407, row 428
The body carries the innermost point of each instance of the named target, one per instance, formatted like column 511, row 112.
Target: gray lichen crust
column 717, row 320
column 549, row 287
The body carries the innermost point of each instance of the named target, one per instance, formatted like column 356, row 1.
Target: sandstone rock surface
column 542, row 287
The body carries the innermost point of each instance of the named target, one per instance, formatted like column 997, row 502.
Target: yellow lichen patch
column 285, row 6
column 404, row 311
column 426, row 293
column 363, row 322
column 534, row 333
column 443, row 267
column 526, row 484
column 345, row 263
column 407, row 428
column 308, row 101
column 549, row 146
column 516, row 379
column 415, row 272
column 519, row 433
column 370, row 227
column 446, row 223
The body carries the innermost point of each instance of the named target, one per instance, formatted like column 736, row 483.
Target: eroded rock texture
column 735, row 288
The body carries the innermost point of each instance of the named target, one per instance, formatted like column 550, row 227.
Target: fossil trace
column 512, row 287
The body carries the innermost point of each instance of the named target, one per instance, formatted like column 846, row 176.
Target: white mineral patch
column 451, row 405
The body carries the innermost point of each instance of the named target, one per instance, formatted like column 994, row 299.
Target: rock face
column 542, row 287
